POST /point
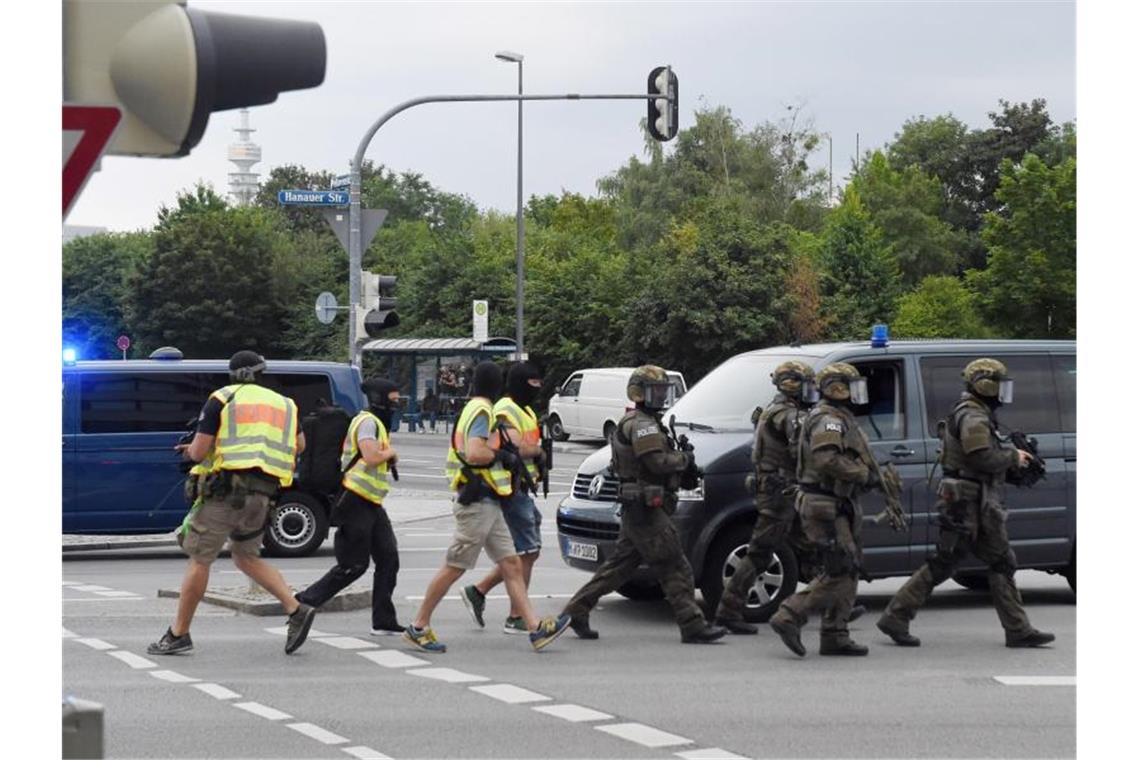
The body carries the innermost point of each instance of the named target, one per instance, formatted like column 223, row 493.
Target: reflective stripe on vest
column 258, row 430
column 524, row 420
column 496, row 477
column 365, row 480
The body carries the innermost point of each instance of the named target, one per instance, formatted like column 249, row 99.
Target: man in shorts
column 246, row 446
column 480, row 473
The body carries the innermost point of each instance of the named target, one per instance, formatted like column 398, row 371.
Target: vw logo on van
column 596, row 485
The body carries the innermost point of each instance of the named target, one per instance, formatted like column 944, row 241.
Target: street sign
column 123, row 343
column 312, row 198
column 370, row 222
column 87, row 130
column 479, row 317
column 326, row 308
column 343, row 182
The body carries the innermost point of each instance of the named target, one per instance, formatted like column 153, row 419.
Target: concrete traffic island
column 254, row 600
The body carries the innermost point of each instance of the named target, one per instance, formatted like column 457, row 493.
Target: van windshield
column 724, row 398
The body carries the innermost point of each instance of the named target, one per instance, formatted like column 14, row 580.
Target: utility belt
column 224, row 484
column 958, row 475
column 474, row 489
column 815, row 489
column 634, row 494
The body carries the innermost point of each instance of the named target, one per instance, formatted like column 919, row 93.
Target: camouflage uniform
column 971, row 515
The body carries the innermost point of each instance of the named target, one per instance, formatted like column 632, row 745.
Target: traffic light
column 663, row 111
column 167, row 67
column 379, row 304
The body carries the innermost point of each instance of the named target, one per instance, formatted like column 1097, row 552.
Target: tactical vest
column 258, row 430
column 365, row 480
column 624, row 462
column 498, row 478
column 807, row 475
column 770, row 451
column 524, row 420
column 953, row 453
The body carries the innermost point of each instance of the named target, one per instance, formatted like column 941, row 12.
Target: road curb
column 261, row 603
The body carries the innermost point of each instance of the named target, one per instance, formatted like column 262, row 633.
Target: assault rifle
column 891, row 483
column 1027, row 476
column 519, row 473
column 691, row 477
column 548, row 451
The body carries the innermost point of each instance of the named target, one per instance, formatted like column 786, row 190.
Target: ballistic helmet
column 650, row 387
column 989, row 379
column 246, row 367
column 790, row 376
column 842, row 382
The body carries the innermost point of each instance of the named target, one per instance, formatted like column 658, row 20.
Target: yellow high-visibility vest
column 258, row 430
column 524, row 420
column 496, row 477
column 366, row 481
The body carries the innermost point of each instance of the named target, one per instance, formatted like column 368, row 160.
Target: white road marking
column 72, row 583
column 88, row 587
column 646, row 736
column 392, row 659
column 283, row 630
column 318, row 733
column 533, row 594
column 572, row 713
column 116, row 593
column 103, row 599
column 512, row 695
column 68, row 634
column 132, row 659
column 449, row 675
column 1037, row 680
column 425, row 477
column 346, row 642
column 217, row 691
column 366, row 753
column 712, row 753
column 170, row 675
column 261, row 710
column 96, row 644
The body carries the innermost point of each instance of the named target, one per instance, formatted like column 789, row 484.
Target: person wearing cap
column 363, row 527
column 245, row 447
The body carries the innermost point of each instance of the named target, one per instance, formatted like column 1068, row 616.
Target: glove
column 508, row 459
column 872, row 480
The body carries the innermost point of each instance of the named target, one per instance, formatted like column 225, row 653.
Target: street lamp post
column 509, row 57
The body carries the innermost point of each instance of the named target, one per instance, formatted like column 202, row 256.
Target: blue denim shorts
column 523, row 520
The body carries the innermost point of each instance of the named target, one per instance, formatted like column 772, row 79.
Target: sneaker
column 515, row 626
column 393, row 629
column 423, row 638
column 171, row 644
column 297, row 628
column 548, row 630
column 474, row 600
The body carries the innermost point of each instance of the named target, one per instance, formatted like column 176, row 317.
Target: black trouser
column 365, row 531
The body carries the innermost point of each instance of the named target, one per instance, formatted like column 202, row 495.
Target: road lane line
column 89, row 587
column 116, row 593
column 365, row 753
column 573, row 713
column 392, row 659
column 132, row 659
column 1037, row 680
column 346, row 642
column 316, row 732
column 646, row 736
column 103, row 599
column 711, row 753
column 534, row 594
column 282, row 630
column 264, row 711
column 217, row 691
column 512, row 695
column 172, row 677
column 68, row 634
column 448, row 675
column 99, row 644
column 72, row 583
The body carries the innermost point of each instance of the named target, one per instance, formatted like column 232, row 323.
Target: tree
column 941, row 307
column 96, row 272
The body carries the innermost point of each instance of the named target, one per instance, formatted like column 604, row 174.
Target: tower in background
column 244, row 154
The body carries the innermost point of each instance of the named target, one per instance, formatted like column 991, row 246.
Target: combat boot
column 581, row 627
column 1032, row 638
column 706, row 635
column 738, row 627
column 897, row 630
column 856, row 612
column 789, row 633
column 842, row 647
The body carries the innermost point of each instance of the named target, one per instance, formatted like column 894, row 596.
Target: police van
column 911, row 386
column 122, row 419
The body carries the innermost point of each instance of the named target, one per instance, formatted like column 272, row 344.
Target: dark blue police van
column 122, row 419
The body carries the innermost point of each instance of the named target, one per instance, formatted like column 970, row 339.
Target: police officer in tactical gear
column 834, row 464
column 971, row 515
column 651, row 471
column 363, row 527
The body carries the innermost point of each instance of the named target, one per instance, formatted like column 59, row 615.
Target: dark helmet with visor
column 989, row 379
column 649, row 386
column 797, row 380
column 842, row 382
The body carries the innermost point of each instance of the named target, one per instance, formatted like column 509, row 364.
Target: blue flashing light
column 69, row 356
column 879, row 336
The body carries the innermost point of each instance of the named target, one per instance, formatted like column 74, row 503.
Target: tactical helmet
column 842, row 382
column 989, row 379
column 789, row 377
column 246, row 366
column 649, row 386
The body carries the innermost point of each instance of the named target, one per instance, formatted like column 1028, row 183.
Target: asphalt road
column 636, row 692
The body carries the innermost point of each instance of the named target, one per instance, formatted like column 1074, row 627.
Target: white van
column 591, row 401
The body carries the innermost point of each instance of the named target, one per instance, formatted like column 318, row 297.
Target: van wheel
column 557, row 432
column 607, row 430
column 771, row 587
column 297, row 526
column 641, row 592
column 972, row 581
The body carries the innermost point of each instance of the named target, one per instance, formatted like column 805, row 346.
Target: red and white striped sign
column 87, row 130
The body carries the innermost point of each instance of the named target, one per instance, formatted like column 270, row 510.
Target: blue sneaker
column 548, row 630
column 423, row 639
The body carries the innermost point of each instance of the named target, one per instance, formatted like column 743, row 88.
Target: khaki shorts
column 213, row 521
column 479, row 525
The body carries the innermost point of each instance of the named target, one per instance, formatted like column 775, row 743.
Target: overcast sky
column 855, row 67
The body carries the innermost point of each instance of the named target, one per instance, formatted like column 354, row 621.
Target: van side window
column 1065, row 375
column 305, row 389
column 1034, row 408
column 139, row 402
column 884, row 418
column 572, row 387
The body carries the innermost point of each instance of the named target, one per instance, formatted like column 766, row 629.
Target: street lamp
column 509, row 57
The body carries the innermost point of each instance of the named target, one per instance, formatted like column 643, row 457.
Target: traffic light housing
column 379, row 304
column 167, row 67
column 663, row 111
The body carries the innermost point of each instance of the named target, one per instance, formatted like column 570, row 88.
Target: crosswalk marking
column 512, row 695
column 646, row 736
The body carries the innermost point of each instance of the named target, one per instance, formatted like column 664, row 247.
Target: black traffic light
column 168, row 67
column 379, row 303
column 663, row 108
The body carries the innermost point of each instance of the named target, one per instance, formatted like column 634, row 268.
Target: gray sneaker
column 171, row 644
column 298, row 627
column 474, row 601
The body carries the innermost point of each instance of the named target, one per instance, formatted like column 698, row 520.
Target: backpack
column 318, row 468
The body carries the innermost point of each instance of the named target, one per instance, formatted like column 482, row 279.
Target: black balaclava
column 488, row 380
column 518, row 383
column 377, row 390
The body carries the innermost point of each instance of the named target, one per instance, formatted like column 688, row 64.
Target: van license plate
column 582, row 551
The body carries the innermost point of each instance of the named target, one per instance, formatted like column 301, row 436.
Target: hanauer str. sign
column 312, row 198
